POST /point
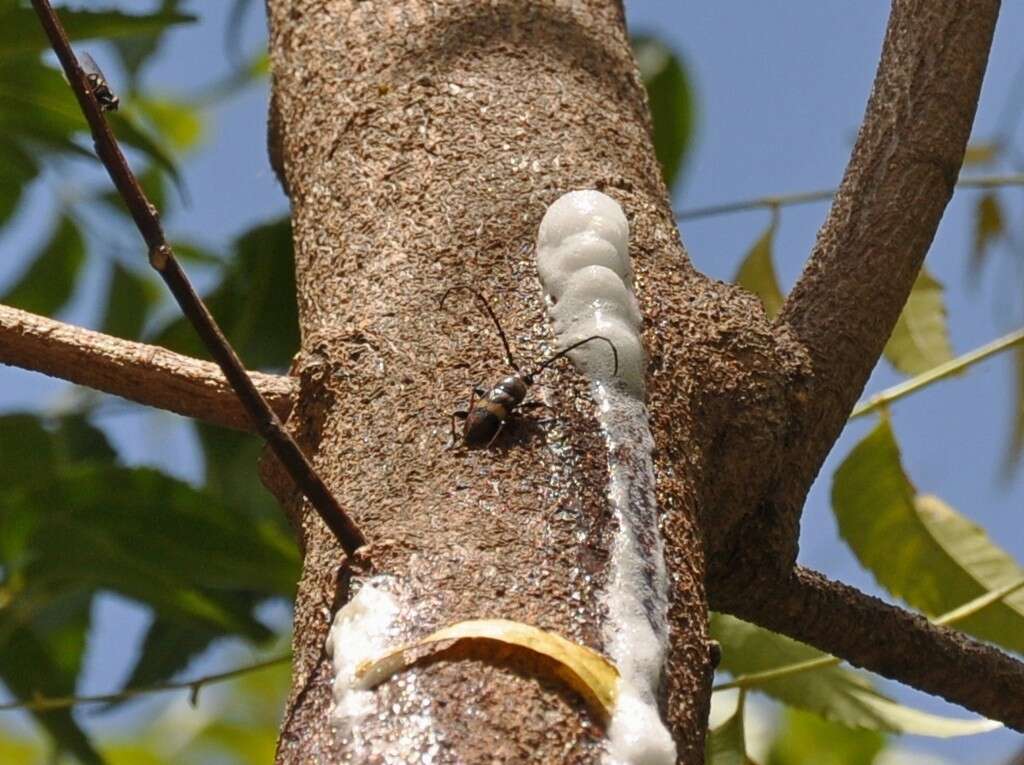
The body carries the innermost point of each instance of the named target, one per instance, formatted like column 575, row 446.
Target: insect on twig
column 488, row 411
column 100, row 89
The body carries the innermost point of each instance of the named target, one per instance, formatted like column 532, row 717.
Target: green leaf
column 671, row 101
column 726, row 744
column 19, row 169
column 129, row 300
column 169, row 646
column 40, row 654
column 920, row 549
column 39, row 114
column 189, row 252
column 178, row 565
column 757, row 272
column 178, row 123
column 837, row 694
column 18, row 749
column 259, row 66
column 920, row 339
column 232, row 462
column 35, row 448
column 36, row 103
column 20, row 32
column 47, row 284
column 74, row 438
column 128, row 131
column 807, row 739
column 989, row 227
column 254, row 302
column 199, row 543
column 243, row 743
column 76, row 522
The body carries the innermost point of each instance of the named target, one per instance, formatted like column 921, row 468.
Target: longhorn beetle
column 484, row 420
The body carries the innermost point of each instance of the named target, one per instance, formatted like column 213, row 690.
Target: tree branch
column 899, row 179
column 872, row 634
column 145, row 374
column 958, row 614
column 161, row 257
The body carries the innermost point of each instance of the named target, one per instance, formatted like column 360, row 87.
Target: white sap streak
column 636, row 633
column 584, row 267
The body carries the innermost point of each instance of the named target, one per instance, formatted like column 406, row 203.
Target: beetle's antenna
column 544, row 364
column 487, row 307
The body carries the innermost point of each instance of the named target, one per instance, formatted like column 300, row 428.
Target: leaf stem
column 47, row 703
column 937, row 373
column 822, row 195
column 957, row 614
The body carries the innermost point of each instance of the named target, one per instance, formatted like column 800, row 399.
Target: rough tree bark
column 420, row 143
column 142, row 373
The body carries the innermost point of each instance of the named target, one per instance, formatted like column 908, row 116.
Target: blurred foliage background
column 211, row 560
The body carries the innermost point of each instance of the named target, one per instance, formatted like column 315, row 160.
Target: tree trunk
column 420, row 144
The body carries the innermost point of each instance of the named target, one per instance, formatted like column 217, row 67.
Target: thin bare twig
column 823, row 195
column 161, row 257
column 49, row 703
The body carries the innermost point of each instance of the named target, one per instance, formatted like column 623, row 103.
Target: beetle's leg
column 501, row 427
column 460, row 414
column 535, row 404
column 477, row 391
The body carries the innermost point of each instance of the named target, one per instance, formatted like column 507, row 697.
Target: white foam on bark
column 377, row 620
column 363, row 630
column 583, row 263
column 584, row 267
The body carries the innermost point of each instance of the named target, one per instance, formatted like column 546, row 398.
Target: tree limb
column 753, row 679
column 872, row 634
column 146, row 374
column 161, row 257
column 899, row 179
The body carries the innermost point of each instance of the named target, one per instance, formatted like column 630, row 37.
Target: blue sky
column 781, row 89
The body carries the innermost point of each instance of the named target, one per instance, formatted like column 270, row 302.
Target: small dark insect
column 488, row 411
column 100, row 89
